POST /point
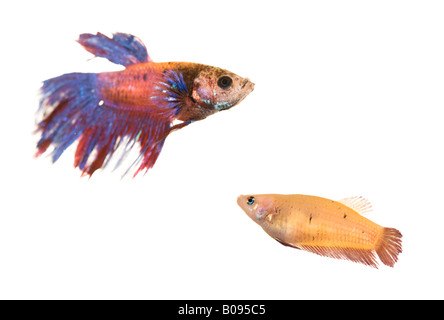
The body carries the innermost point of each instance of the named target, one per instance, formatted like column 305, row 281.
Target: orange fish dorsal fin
column 358, row 203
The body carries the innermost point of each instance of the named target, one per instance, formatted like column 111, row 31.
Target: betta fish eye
column 224, row 82
column 250, row 201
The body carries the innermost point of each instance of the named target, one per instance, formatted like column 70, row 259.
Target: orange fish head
column 257, row 207
column 219, row 89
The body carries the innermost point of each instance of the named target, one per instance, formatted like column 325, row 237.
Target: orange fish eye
column 250, row 201
column 224, row 82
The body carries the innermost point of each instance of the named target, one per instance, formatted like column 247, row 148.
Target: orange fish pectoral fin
column 364, row 256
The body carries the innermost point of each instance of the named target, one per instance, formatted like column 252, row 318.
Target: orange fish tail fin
column 389, row 246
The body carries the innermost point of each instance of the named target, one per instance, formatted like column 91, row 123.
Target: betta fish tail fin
column 389, row 246
column 122, row 48
column 73, row 109
column 61, row 107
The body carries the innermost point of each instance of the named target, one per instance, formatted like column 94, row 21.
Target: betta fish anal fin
column 124, row 49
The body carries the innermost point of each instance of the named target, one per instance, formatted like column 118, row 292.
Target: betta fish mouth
column 247, row 83
column 246, row 87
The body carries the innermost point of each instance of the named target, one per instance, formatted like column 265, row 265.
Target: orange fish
column 326, row 227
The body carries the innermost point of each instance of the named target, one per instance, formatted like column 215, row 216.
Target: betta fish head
column 203, row 90
column 257, row 207
column 211, row 90
column 220, row 89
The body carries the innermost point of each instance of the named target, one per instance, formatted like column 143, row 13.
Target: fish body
column 137, row 105
column 146, row 86
column 325, row 227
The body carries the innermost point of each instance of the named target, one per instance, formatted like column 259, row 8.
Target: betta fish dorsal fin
column 358, row 203
column 122, row 48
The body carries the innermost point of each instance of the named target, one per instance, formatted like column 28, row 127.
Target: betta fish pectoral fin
column 108, row 111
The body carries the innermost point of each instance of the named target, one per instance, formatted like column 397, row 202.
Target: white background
column 348, row 101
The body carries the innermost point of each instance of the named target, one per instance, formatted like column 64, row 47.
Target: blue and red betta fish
column 111, row 111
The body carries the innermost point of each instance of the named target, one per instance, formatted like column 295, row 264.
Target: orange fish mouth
column 249, row 209
column 240, row 200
